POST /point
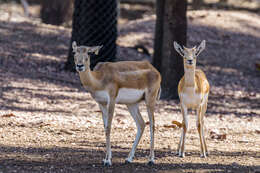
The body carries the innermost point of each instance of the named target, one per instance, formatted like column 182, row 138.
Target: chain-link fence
column 95, row 23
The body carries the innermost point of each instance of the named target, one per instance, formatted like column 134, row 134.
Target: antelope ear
column 178, row 48
column 85, row 49
column 200, row 48
column 95, row 49
column 74, row 46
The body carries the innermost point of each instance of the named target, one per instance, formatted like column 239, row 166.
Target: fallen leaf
column 97, row 111
column 257, row 131
column 202, row 16
column 66, row 132
column 36, row 123
column 177, row 123
column 147, row 123
column 22, row 125
column 257, row 65
column 170, row 126
column 75, row 129
column 250, row 119
column 214, row 135
column 119, row 121
column 8, row 115
column 42, row 125
column 120, row 115
column 10, row 124
column 221, row 117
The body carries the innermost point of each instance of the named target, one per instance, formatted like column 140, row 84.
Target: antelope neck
column 189, row 76
column 88, row 79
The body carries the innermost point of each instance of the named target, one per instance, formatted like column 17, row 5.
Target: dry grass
column 50, row 124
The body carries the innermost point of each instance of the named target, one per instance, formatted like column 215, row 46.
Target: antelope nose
column 190, row 61
column 80, row 66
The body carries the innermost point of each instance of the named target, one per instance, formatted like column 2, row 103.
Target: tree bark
column 196, row 4
column 56, row 12
column 171, row 25
column 94, row 23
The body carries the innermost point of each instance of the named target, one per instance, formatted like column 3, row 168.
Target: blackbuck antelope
column 193, row 90
column 125, row 82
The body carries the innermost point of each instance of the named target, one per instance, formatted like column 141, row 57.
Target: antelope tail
column 159, row 93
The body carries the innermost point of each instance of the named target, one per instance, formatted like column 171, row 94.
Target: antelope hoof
column 207, row 154
column 177, row 154
column 151, row 163
column 203, row 155
column 107, row 163
column 182, row 155
column 127, row 161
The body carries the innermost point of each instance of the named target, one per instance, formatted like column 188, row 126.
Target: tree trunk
column 56, row 12
column 171, row 25
column 196, row 4
column 94, row 23
column 223, row 1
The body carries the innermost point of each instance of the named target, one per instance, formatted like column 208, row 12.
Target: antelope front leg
column 181, row 146
column 140, row 124
column 202, row 120
column 200, row 114
column 104, row 111
column 204, row 108
column 107, row 126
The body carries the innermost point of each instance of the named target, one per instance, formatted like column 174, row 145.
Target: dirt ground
column 50, row 124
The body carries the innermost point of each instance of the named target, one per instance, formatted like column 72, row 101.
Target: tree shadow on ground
column 35, row 53
column 228, row 61
column 225, row 6
column 63, row 159
column 135, row 11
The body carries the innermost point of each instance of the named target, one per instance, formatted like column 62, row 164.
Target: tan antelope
column 193, row 90
column 125, row 82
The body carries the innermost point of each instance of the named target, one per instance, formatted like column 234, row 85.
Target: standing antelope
column 126, row 82
column 193, row 90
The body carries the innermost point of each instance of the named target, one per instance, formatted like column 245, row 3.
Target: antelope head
column 189, row 54
column 81, row 56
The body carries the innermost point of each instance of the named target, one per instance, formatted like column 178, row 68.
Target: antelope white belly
column 127, row 95
column 124, row 96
